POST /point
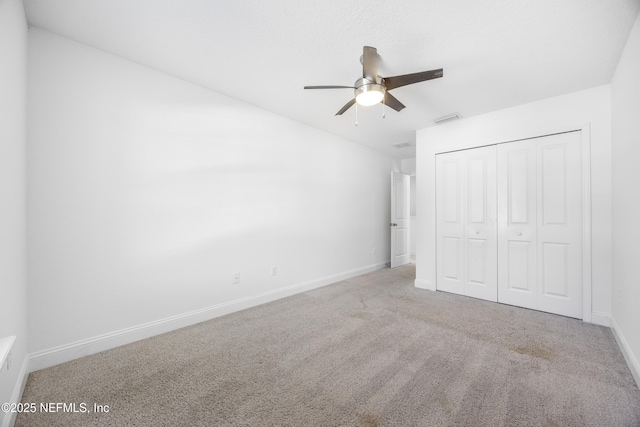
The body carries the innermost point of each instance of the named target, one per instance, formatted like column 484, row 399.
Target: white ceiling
column 495, row 53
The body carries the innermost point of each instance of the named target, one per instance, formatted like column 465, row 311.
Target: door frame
column 428, row 261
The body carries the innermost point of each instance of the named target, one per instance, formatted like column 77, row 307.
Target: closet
column 509, row 223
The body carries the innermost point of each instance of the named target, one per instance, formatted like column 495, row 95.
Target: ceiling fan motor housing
column 368, row 92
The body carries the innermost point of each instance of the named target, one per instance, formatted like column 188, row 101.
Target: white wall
column 625, row 109
column 13, row 285
column 564, row 112
column 146, row 194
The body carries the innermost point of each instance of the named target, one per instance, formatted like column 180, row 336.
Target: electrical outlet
column 274, row 270
column 236, row 278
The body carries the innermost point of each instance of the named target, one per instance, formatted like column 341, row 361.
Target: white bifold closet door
column 540, row 224
column 509, row 223
column 466, row 223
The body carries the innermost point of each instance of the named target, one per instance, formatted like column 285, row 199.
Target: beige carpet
column 368, row 351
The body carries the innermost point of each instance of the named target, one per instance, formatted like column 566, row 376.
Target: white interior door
column 560, row 224
column 517, row 224
column 540, row 224
column 466, row 223
column 450, row 222
column 400, row 220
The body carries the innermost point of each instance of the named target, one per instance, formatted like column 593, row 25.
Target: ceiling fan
column 372, row 89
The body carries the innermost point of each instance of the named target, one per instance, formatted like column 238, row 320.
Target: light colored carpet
column 368, row 351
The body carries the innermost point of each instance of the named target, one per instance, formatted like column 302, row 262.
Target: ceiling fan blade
column 346, row 107
column 329, row 87
column 408, row 79
column 370, row 64
column 392, row 101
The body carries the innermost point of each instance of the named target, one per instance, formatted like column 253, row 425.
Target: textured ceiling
column 495, row 53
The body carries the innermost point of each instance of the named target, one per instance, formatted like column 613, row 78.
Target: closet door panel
column 451, row 255
column 480, row 225
column 466, row 223
column 560, row 224
column 450, row 226
column 517, row 239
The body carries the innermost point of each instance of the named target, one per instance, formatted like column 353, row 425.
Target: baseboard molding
column 602, row 319
column 67, row 352
column 424, row 284
column 632, row 360
column 9, row 418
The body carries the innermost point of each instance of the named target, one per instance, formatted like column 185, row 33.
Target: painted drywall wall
column 592, row 106
column 625, row 111
column 13, row 285
column 147, row 193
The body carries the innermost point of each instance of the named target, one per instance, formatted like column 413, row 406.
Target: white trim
column 587, row 315
column 632, row 360
column 64, row 353
column 519, row 136
column 602, row 319
column 16, row 397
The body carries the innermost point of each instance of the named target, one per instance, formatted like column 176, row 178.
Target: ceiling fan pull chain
column 383, row 110
column 356, row 114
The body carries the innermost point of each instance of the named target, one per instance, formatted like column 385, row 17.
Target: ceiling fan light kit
column 373, row 89
column 368, row 93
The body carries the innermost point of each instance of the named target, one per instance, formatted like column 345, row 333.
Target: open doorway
column 403, row 219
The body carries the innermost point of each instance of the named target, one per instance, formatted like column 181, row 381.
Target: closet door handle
column 519, row 233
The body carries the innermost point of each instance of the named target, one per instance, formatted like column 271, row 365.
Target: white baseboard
column 67, row 352
column 602, row 319
column 425, row 284
column 632, row 360
column 9, row 418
